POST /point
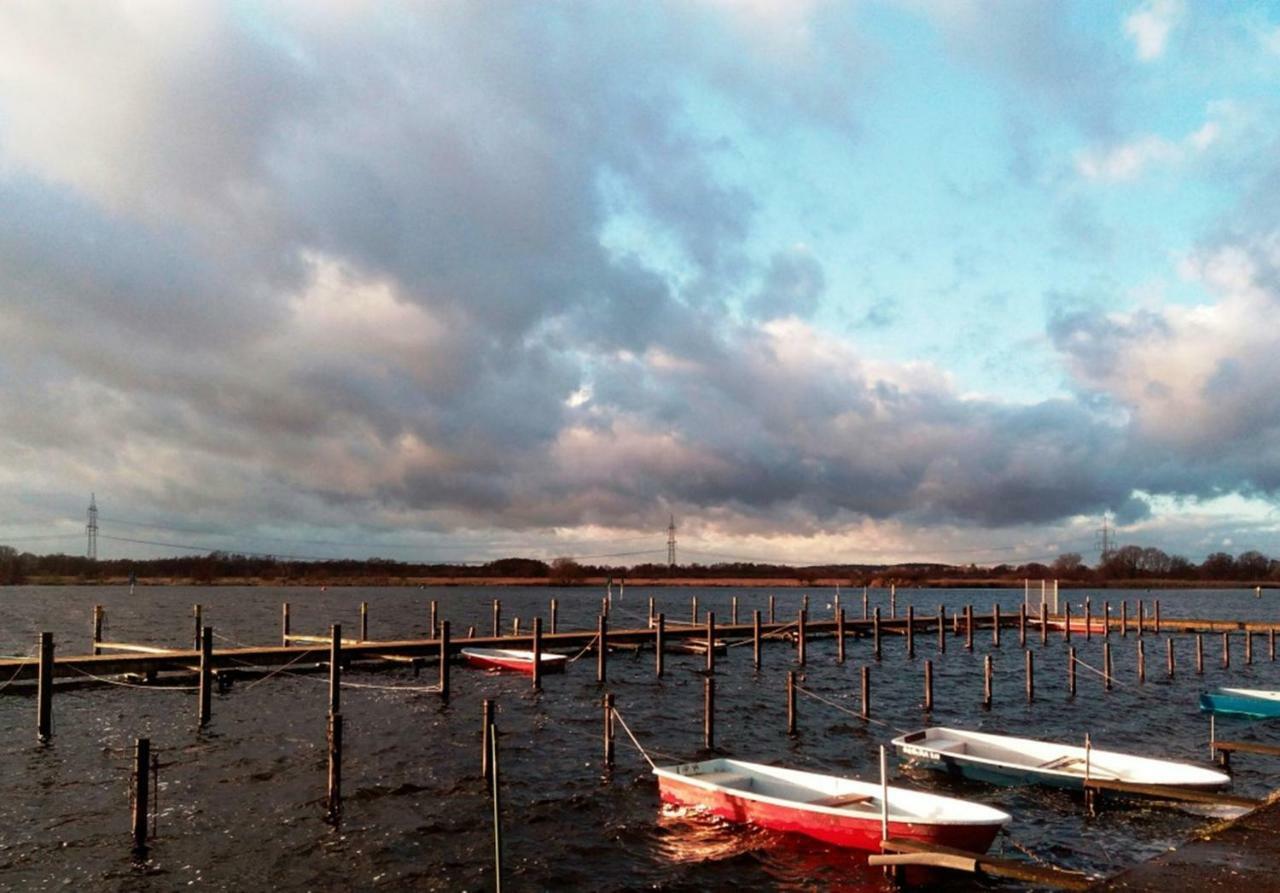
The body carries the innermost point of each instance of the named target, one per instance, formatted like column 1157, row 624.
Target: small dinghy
column 836, row 810
column 1242, row 701
column 512, row 659
column 1003, row 759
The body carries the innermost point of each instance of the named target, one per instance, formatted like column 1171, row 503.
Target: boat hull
column 1239, row 705
column 858, row 832
column 549, row 663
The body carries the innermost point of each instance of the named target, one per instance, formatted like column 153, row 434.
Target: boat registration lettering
column 914, row 750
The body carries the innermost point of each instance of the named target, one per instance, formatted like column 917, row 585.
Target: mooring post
column 660, row 644
column 608, row 730
column 334, row 795
column 942, row 629
column 1044, row 623
column 911, row 631
column 840, row 635
column 1022, row 625
column 693, row 603
column 709, row 712
column 1142, row 607
column 335, row 668
column 444, row 661
column 198, row 612
column 433, row 619
column 711, row 642
column 1271, row 643
column 968, row 627
column 44, row 690
column 1106, row 665
column 928, row 685
column 866, row 691
column 206, row 675
column 875, row 632
column 995, row 625
column 865, row 613
column 755, row 639
column 1157, row 618
column 772, row 616
column 471, row 632
column 364, row 622
column 804, row 602
column 515, row 626
column 284, row 623
column 555, row 616
column 1168, row 655
column 1066, row 622
column 1248, row 647
column 791, row 702
column 486, row 728
column 141, row 789
column 1226, row 651
column 986, row 682
column 1142, row 660
column 651, row 614
column 537, row 653
column 893, row 601
column 1071, row 671
column 602, row 648
column 1106, row 620
column 1124, row 619
column 604, row 605
column 97, row 628
column 1031, row 674
column 1199, row 654
column 835, row 604
column 497, row 618
column 733, row 611
column 495, row 787
column 801, row 636
column 1088, row 619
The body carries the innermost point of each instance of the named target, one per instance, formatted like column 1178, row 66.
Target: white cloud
column 1130, row 160
column 1150, row 25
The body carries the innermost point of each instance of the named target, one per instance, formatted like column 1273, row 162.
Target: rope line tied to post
column 627, row 729
column 1112, row 679
column 105, row 681
column 30, row 654
column 843, row 709
column 585, row 648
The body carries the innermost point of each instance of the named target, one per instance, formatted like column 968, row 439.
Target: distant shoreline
column 656, row 582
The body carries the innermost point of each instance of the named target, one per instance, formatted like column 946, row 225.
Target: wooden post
column 471, row 632
column 497, row 618
column 284, row 623
column 604, row 605
column 206, row 675
column 1226, row 651
column 602, row 648
column 694, row 606
column 1124, row 619
column 1141, row 616
column 1071, row 671
column 44, row 690
column 1157, row 629
column 791, row 702
column 97, row 628
column 433, row 619
column 968, row 627
column 942, row 629
column 1271, row 643
column 986, row 682
column 608, row 730
column 893, row 601
column 1066, row 622
column 1106, row 665
column 835, row 607
column 141, row 789
column 486, row 727
column 1199, row 654
column 733, row 611
column 495, row 787
column 755, row 638
column 1168, row 655
column 1088, row 619
column 1031, row 674
column 444, row 661
column 1248, row 647
column 651, row 614
column 911, row 630
column 660, row 645
column 364, row 622
column 840, row 635
column 771, row 614
column 1022, row 625
column 709, row 712
column 928, row 685
column 804, row 602
column 334, row 795
column 711, row 642
column 866, row 692
column 198, row 612
column 1142, row 661
column 537, row 653
column 865, row 613
column 555, row 616
column 335, row 668
column 1106, row 620
column 515, row 626
column 801, row 636
column 875, row 632
column 1044, row 623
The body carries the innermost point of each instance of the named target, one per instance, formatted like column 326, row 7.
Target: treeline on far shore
column 1125, row 566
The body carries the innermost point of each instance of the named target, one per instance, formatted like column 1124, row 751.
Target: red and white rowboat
column 512, row 659
column 840, row 811
column 1096, row 625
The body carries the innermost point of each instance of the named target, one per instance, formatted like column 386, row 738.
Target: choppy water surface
column 240, row 802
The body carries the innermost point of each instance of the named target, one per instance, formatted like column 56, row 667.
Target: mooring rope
column 279, row 669
column 627, row 729
column 853, row 713
column 118, row 682
column 1112, row 679
column 585, row 648
column 30, row 654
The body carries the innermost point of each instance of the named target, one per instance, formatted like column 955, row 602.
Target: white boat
column 841, row 811
column 1253, row 702
column 1004, row 759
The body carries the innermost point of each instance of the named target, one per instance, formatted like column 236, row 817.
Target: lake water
column 240, row 803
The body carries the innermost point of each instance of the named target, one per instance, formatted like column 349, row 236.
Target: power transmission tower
column 92, row 528
column 1104, row 540
column 671, row 542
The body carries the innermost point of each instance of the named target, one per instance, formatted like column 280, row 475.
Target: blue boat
column 1004, row 759
column 1242, row 702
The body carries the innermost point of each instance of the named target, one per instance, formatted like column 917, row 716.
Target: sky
column 826, row 282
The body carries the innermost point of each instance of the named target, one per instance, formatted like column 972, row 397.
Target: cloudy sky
column 860, row 281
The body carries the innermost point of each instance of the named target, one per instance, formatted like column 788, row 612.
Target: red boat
column 836, row 810
column 512, row 659
column 1095, row 625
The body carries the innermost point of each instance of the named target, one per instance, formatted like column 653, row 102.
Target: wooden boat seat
column 841, row 800
column 944, row 745
column 726, row 779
